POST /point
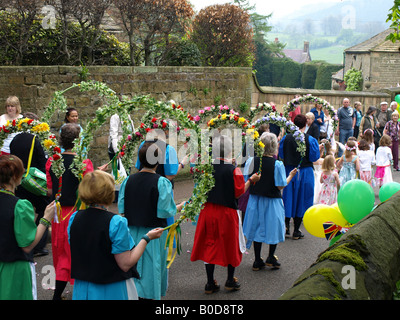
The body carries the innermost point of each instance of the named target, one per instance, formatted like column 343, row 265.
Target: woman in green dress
column 18, row 234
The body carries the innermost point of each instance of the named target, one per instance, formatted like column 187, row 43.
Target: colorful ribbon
column 174, row 232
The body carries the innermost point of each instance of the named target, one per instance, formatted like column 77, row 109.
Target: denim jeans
column 344, row 135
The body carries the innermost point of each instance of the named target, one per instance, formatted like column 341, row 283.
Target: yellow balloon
column 314, row 218
column 336, row 216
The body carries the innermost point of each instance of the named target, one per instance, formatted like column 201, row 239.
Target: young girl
column 367, row 159
column 384, row 160
column 369, row 137
column 324, row 149
column 350, row 163
column 330, row 182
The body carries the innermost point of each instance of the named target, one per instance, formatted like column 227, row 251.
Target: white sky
column 279, row 8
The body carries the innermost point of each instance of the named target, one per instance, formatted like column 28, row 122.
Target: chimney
column 306, row 46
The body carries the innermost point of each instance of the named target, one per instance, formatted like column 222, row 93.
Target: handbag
column 34, row 180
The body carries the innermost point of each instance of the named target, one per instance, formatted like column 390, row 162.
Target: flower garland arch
column 289, row 127
column 308, row 98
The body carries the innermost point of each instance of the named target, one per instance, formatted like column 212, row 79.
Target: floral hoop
column 290, row 127
column 266, row 107
column 292, row 105
column 213, row 110
column 42, row 131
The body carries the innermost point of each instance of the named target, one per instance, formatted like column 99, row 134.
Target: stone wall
column 372, row 247
column 192, row 87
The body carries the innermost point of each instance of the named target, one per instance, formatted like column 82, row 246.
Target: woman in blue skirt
column 265, row 215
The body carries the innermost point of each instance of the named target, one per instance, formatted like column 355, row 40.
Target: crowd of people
column 270, row 191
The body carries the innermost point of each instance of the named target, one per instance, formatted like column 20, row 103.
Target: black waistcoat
column 141, row 197
column 291, row 156
column 91, row 257
column 266, row 185
column 223, row 192
column 9, row 249
column 70, row 183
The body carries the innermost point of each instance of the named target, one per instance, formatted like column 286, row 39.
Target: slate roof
column 377, row 43
column 297, row 55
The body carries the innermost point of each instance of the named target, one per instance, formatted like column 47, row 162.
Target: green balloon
column 397, row 98
column 356, row 199
column 387, row 190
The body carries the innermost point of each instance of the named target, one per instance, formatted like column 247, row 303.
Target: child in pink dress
column 330, row 182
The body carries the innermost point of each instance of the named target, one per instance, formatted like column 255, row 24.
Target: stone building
column 378, row 59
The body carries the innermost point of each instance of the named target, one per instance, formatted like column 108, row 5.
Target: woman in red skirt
column 216, row 240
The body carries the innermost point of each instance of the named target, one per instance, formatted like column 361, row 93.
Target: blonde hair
column 329, row 163
column 385, row 141
column 97, row 187
column 350, row 147
column 13, row 101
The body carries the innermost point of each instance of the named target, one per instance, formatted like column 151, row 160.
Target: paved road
column 187, row 279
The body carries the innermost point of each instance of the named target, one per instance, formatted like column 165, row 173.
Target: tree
column 224, row 36
column 149, row 22
column 26, row 12
column 394, row 19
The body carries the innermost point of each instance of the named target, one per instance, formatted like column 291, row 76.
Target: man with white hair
column 383, row 115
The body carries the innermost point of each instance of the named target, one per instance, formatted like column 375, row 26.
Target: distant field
column 332, row 54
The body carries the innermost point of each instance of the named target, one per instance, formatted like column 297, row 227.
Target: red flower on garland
column 56, row 157
column 57, row 150
column 164, row 124
column 154, row 120
column 142, row 125
column 29, row 122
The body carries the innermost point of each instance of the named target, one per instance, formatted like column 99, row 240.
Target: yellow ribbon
column 174, row 232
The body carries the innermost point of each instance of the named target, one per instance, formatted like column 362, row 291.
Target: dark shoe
column 258, row 265
column 297, row 235
column 211, row 287
column 232, row 285
column 273, row 262
column 40, row 252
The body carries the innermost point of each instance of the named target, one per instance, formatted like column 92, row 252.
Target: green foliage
column 44, row 45
column 323, row 79
column 183, row 53
column 354, row 80
column 286, row 73
column 308, row 75
column 394, row 19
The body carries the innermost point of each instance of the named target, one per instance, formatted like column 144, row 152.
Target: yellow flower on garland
column 223, row 117
column 211, row 122
column 241, row 120
column 21, row 122
column 48, row 143
column 41, row 127
column 262, row 145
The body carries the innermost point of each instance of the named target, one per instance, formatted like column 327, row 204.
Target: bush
column 323, row 79
column 353, row 79
column 308, row 75
column 44, row 45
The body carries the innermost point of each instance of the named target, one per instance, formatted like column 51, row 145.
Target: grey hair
column 310, row 115
column 221, row 146
column 270, row 142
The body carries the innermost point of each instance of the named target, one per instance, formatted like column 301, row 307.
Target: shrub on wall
column 44, row 45
column 353, row 79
